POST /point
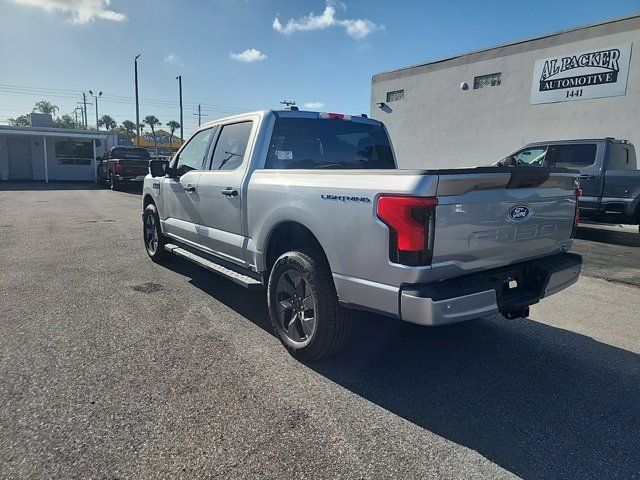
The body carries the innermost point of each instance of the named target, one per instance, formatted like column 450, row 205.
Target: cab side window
column 193, row 154
column 621, row 158
column 574, row 156
column 231, row 146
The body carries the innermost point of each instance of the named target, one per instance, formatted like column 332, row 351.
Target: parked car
column 609, row 175
column 312, row 206
column 123, row 165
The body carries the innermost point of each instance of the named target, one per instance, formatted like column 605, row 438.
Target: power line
column 66, row 93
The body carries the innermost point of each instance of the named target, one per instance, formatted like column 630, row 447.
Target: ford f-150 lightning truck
column 312, row 207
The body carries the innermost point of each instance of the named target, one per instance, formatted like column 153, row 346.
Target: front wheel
column 303, row 306
column 154, row 240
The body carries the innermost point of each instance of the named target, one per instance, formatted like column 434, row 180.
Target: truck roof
column 295, row 114
column 580, row 140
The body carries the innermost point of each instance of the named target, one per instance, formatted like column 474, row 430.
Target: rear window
column 135, row 153
column 575, row 156
column 300, row 143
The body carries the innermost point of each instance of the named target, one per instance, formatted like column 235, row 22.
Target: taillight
column 411, row 222
column 576, row 217
column 334, row 116
column 119, row 168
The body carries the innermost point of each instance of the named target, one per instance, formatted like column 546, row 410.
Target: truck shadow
column 613, row 237
column 539, row 401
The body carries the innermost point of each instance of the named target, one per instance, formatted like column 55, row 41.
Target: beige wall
column 438, row 125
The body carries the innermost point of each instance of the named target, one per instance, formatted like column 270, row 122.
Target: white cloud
column 174, row 59
column 81, row 11
column 248, row 56
column 356, row 28
column 313, row 105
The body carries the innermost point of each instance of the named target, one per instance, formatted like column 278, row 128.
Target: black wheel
column 113, row 183
column 303, row 306
column 154, row 240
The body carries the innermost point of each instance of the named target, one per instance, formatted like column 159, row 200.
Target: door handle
column 190, row 188
column 230, row 192
column 587, row 177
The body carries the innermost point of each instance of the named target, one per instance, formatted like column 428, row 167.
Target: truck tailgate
column 488, row 218
column 134, row 167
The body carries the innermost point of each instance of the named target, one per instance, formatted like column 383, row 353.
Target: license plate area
column 518, row 287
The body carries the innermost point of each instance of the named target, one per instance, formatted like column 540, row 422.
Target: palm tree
column 153, row 122
column 173, row 126
column 46, row 107
column 128, row 129
column 107, row 122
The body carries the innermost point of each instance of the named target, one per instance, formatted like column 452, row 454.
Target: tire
column 304, row 308
column 113, row 183
column 154, row 240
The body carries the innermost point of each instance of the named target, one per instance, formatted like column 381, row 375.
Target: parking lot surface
column 114, row 367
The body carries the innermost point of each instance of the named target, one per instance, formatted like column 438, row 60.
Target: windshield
column 300, row 143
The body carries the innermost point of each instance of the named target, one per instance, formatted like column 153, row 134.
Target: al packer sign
column 576, row 76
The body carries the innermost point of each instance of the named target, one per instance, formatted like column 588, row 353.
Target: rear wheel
column 154, row 240
column 303, row 306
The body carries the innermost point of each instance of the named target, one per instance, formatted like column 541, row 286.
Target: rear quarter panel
column 355, row 242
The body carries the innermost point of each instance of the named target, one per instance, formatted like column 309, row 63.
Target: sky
column 243, row 55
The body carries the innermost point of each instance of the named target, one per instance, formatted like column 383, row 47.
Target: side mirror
column 158, row 168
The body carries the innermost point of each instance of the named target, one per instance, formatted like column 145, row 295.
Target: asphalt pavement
column 114, row 367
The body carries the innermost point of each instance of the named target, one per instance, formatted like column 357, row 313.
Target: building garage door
column 19, row 151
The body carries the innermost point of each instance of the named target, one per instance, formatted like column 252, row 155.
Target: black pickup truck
column 123, row 165
column 609, row 175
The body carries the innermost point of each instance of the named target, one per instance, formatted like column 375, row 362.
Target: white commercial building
column 474, row 109
column 47, row 153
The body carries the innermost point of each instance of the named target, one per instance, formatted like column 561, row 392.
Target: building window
column 491, row 80
column 395, row 95
column 71, row 152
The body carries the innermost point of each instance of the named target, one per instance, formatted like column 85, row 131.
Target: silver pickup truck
column 312, row 207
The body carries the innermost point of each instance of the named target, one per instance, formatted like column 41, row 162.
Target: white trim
column 46, row 160
column 53, row 134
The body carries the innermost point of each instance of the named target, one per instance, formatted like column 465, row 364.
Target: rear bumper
column 130, row 178
column 488, row 292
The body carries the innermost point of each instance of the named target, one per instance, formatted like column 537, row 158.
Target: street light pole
column 96, row 97
column 179, row 78
column 135, row 62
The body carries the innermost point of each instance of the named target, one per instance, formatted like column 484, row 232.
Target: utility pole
column 75, row 112
column 84, row 101
column 96, row 97
column 200, row 114
column 135, row 62
column 179, row 78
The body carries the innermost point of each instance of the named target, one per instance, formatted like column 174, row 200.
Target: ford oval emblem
column 519, row 212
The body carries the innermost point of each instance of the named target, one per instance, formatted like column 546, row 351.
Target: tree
column 65, row 121
column 44, row 106
column 153, row 122
column 21, row 121
column 107, row 122
column 173, row 126
column 127, row 130
column 129, row 127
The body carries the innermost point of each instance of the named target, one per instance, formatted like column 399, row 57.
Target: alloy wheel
column 296, row 306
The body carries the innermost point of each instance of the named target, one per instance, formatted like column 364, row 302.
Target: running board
column 245, row 280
